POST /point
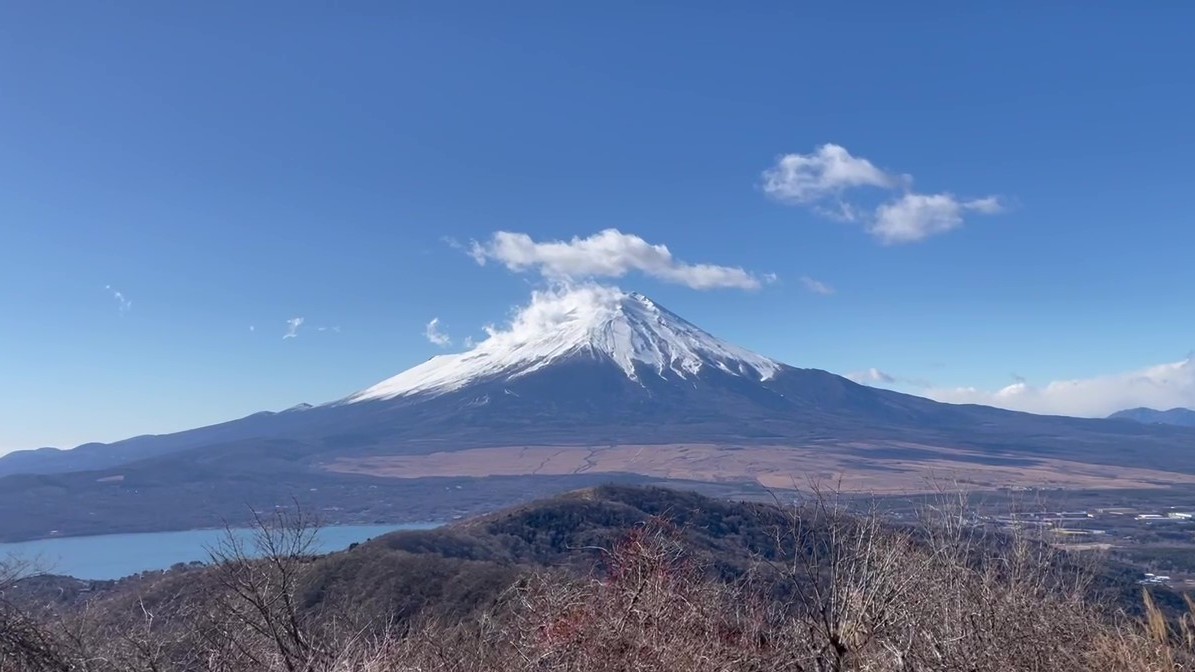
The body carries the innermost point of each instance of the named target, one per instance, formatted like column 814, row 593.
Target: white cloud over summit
column 607, row 254
column 1162, row 387
column 822, row 180
column 548, row 310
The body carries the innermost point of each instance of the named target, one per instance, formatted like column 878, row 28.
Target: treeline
column 612, row 579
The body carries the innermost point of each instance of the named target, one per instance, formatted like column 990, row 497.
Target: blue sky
column 233, row 165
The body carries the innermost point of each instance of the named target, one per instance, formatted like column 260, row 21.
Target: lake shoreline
column 108, row 557
column 23, row 539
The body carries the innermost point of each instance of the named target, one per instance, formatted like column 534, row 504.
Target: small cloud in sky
column 880, row 378
column 435, row 336
column 914, row 217
column 827, row 171
column 872, row 376
column 816, row 286
column 252, row 328
column 292, row 327
column 606, row 254
column 825, row 179
column 123, row 304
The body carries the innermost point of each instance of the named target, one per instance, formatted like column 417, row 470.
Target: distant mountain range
column 1182, row 417
column 589, row 384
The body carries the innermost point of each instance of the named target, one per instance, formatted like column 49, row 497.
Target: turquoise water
column 112, row 556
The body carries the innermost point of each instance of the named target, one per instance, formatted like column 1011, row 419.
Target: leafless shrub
column 24, row 643
column 255, row 618
column 842, row 591
column 943, row 595
column 653, row 611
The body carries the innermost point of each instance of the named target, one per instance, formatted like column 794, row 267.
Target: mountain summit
column 630, row 331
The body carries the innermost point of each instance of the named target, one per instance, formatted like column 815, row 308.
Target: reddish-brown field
column 848, row 465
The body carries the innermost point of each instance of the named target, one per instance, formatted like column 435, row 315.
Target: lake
column 112, row 556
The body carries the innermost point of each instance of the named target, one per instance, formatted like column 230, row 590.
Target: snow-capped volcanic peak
column 630, row 330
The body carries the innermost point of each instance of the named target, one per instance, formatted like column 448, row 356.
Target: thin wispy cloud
column 123, row 304
column 292, row 328
column 817, row 286
column 872, row 376
column 607, row 254
column 435, row 336
column 880, row 378
column 840, row 211
column 293, row 325
column 829, row 179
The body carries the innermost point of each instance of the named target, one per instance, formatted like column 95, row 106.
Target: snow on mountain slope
column 629, row 330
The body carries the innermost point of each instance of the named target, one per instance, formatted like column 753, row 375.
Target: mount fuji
column 593, row 365
column 593, row 380
column 594, row 324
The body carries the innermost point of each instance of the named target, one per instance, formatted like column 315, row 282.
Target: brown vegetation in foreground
column 837, row 593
